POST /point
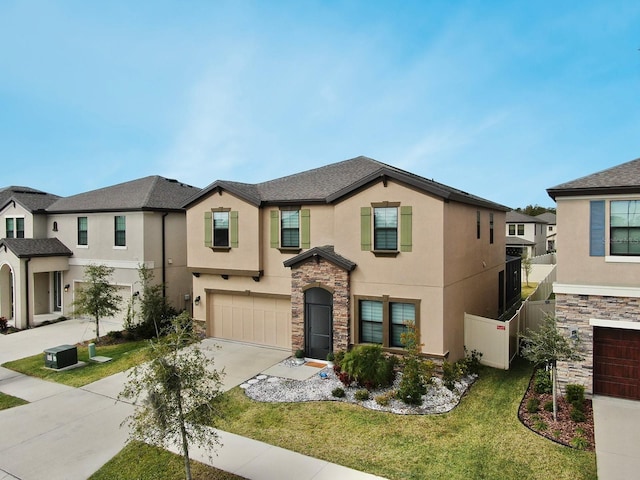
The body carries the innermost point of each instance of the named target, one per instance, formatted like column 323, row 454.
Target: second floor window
column 83, row 231
column 290, row 228
column 625, row 227
column 220, row 229
column 120, row 229
column 14, row 227
column 385, row 228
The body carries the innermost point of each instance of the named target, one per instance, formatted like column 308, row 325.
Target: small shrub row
column 574, row 394
column 542, row 381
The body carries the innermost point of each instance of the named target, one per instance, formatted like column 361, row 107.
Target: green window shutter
column 275, row 229
column 208, row 229
column 305, row 223
column 365, row 228
column 233, row 229
column 405, row 229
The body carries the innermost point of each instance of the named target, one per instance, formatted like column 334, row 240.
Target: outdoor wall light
column 135, row 294
column 197, row 300
column 66, row 287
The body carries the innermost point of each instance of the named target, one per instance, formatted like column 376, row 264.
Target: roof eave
column 593, row 191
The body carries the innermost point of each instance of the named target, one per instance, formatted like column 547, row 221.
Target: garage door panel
column 616, row 362
column 251, row 319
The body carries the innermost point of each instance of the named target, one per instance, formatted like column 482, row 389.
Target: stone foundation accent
column 575, row 311
column 318, row 272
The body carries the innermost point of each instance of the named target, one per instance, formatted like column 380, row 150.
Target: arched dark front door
column 318, row 316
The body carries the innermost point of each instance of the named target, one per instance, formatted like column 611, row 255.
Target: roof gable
column 333, row 182
column 31, row 199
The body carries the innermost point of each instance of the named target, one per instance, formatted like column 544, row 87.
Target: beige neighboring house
column 552, row 229
column 135, row 223
column 344, row 254
column 598, row 278
column 525, row 235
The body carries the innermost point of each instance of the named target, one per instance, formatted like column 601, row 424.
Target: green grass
column 481, row 438
column 144, row 462
column 527, row 290
column 124, row 356
column 8, row 401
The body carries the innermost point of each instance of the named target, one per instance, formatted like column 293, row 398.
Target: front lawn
column 144, row 462
column 124, row 356
column 481, row 438
column 8, row 401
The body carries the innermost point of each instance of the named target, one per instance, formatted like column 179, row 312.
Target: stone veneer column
column 324, row 274
column 575, row 311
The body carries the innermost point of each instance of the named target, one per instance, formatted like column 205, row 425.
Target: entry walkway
column 617, row 423
column 69, row 433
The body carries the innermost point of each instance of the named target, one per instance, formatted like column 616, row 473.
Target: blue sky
column 500, row 99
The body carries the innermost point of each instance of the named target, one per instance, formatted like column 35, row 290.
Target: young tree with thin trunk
column 99, row 297
column 526, row 266
column 547, row 346
column 181, row 387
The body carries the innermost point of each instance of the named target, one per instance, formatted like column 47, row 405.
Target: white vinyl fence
column 498, row 341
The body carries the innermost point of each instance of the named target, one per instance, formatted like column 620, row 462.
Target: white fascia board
column 623, row 324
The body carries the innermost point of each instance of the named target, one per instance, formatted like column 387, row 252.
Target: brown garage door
column 264, row 320
column 616, row 362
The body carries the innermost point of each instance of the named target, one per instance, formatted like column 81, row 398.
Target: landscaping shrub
column 471, row 362
column 416, row 373
column 575, row 395
column 451, row 373
column 385, row 398
column 542, row 381
column 345, row 378
column 548, row 406
column 361, row 395
column 533, row 404
column 368, row 366
column 577, row 415
column 579, row 442
column 337, row 392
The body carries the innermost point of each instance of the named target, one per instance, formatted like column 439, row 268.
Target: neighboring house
column 598, row 271
column 345, row 254
column 525, row 234
column 552, row 229
column 122, row 226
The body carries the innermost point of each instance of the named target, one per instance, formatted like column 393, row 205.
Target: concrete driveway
column 69, row 433
column 617, row 435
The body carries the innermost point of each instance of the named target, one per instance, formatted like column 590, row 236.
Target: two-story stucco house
column 552, row 229
column 135, row 223
column 525, row 234
column 344, row 254
column 598, row 278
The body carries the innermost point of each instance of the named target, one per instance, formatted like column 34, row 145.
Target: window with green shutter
column 221, row 229
column 290, row 228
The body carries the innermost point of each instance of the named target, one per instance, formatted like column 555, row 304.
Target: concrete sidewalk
column 69, row 433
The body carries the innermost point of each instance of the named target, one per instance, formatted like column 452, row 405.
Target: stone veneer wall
column 575, row 311
column 320, row 273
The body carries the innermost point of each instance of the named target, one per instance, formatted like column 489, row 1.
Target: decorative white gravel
column 438, row 398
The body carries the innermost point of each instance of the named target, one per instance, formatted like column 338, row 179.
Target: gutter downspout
column 164, row 254
column 26, row 272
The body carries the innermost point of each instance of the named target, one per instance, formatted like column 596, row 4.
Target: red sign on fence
column 500, row 327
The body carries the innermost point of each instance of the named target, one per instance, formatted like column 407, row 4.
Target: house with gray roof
column 525, row 234
column 597, row 289
column 43, row 255
column 345, row 254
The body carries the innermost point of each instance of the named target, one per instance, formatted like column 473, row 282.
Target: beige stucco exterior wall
column 575, row 265
column 15, row 210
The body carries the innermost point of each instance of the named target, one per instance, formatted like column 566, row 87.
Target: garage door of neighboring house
column 263, row 320
column 616, row 362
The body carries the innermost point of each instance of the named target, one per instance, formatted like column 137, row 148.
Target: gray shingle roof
column 325, row 252
column 511, row 240
column 624, row 178
column 30, row 198
column 36, row 247
column 518, row 217
column 148, row 193
column 335, row 181
column 547, row 217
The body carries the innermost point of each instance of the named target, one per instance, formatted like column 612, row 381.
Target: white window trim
column 622, row 324
column 621, row 259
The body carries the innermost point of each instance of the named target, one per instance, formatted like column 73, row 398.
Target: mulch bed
column 563, row 430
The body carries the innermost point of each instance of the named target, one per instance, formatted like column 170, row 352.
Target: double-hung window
column 385, row 228
column 384, row 320
column 120, row 231
column 14, row 227
column 83, row 231
column 220, row 229
column 625, row 227
column 290, row 228
column 512, row 229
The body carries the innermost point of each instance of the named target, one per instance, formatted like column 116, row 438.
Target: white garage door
column 251, row 319
column 115, row 322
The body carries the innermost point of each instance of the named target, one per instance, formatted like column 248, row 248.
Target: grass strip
column 9, row 401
